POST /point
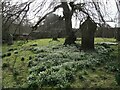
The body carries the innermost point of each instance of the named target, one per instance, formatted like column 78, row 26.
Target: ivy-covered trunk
column 70, row 38
column 88, row 29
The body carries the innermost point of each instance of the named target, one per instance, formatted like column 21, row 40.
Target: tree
column 67, row 12
column 70, row 8
column 90, row 9
column 118, row 26
column 70, row 39
column 13, row 14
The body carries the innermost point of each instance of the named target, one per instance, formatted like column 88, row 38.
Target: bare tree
column 86, row 11
column 118, row 23
column 13, row 14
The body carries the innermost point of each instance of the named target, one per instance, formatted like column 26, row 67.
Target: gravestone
column 7, row 38
column 88, row 29
column 10, row 39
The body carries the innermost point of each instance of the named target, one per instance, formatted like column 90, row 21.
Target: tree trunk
column 118, row 34
column 70, row 39
column 88, row 29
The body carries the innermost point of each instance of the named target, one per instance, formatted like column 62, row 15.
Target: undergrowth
column 57, row 66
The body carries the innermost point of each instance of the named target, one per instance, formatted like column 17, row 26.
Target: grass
column 104, row 40
column 17, row 76
column 98, row 40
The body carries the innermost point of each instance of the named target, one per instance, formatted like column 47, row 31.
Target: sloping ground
column 41, row 63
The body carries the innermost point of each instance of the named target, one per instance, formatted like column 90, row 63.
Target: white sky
column 111, row 9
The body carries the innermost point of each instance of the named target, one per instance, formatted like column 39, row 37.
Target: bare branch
column 98, row 10
column 28, row 7
column 41, row 19
column 17, row 16
column 117, row 6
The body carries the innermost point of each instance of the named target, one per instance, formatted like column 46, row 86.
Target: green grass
column 93, row 79
column 45, row 42
column 104, row 40
column 98, row 40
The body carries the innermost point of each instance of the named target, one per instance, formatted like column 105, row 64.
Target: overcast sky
column 110, row 5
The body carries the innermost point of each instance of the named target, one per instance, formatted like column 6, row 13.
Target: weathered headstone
column 10, row 39
column 88, row 29
column 7, row 38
